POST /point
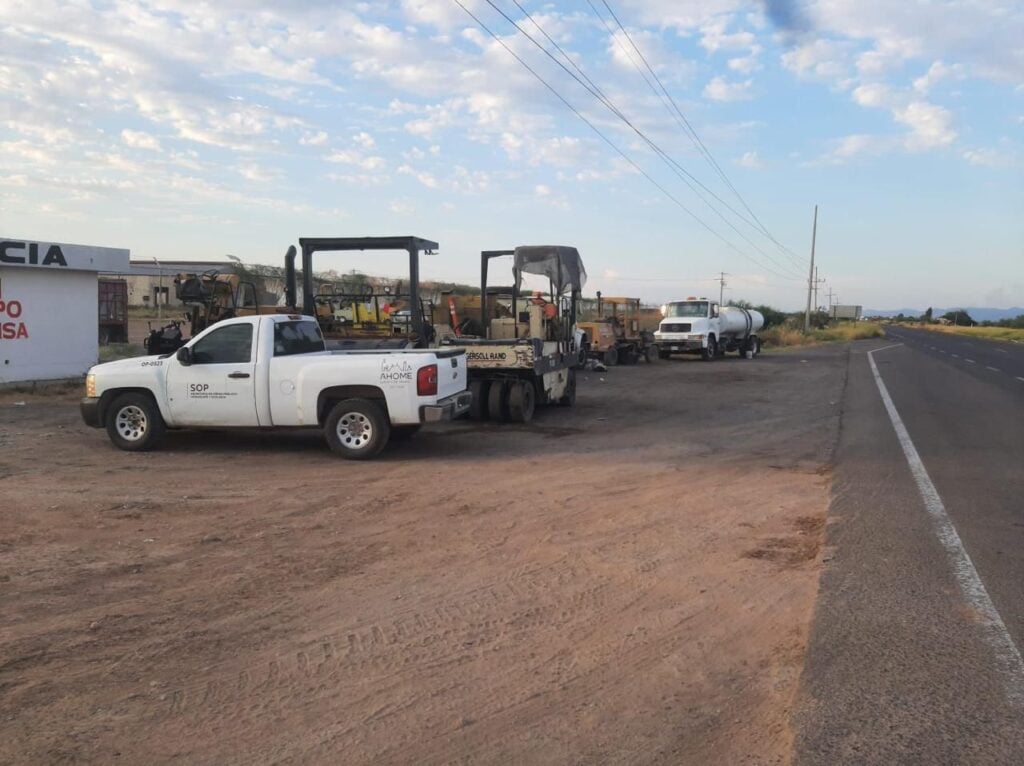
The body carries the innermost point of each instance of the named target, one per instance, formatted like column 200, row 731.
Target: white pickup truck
column 273, row 371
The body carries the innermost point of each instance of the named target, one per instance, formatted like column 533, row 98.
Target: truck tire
column 134, row 422
column 357, row 429
column 478, row 406
column 522, row 401
column 651, row 354
column 497, row 401
column 709, row 352
column 664, row 354
column 755, row 344
column 568, row 398
column 611, row 357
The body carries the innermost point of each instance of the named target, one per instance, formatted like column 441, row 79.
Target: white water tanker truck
column 700, row 326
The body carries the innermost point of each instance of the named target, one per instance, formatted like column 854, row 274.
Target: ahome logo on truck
column 9, row 254
column 395, row 372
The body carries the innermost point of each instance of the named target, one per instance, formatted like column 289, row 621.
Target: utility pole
column 721, row 287
column 829, row 300
column 816, row 283
column 810, row 274
column 159, row 291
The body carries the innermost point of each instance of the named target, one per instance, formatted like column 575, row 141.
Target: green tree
column 959, row 317
column 927, row 317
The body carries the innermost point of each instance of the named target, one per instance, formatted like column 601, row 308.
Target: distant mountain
column 978, row 313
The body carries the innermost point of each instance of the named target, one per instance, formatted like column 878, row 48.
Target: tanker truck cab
column 272, row 371
column 701, row 326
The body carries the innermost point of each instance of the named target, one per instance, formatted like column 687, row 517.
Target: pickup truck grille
column 678, row 327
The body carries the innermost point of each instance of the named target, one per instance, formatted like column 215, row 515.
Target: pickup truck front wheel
column 134, row 423
column 357, row 429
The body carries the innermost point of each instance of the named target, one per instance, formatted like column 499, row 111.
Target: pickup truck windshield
column 297, row 338
column 687, row 309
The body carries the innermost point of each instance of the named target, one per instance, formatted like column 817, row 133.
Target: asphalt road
column 903, row 666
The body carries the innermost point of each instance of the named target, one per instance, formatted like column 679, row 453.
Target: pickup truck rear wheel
column 357, row 429
column 134, row 423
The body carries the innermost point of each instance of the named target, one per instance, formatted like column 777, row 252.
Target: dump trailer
column 613, row 332
column 113, row 311
column 701, row 326
column 526, row 352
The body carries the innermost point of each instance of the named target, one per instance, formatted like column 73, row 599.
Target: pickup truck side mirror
column 184, row 356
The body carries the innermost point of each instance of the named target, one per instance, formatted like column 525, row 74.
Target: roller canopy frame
column 412, row 245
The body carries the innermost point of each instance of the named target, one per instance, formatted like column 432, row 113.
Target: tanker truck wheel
column 611, row 357
column 651, row 354
column 755, row 344
column 709, row 352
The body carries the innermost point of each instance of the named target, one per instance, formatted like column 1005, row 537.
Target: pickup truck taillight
column 426, row 380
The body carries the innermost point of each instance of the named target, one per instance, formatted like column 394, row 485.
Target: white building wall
column 57, row 311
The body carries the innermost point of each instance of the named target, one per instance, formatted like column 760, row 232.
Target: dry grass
column 786, row 335
column 992, row 333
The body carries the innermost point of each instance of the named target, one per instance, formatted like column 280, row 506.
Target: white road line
column 884, row 348
column 973, row 589
column 1000, row 350
column 956, row 355
column 1019, row 378
column 969, row 361
column 994, row 369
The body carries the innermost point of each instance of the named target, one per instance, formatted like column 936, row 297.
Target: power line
column 596, row 92
column 673, row 108
column 604, row 138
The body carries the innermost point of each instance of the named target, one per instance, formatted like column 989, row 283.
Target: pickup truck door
column 219, row 387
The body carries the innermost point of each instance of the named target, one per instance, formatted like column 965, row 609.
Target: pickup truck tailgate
column 451, row 372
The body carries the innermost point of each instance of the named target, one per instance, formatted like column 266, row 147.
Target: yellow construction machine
column 614, row 332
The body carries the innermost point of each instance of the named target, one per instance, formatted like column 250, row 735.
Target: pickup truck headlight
column 90, row 386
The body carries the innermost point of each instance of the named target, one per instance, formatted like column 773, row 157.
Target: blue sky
column 188, row 130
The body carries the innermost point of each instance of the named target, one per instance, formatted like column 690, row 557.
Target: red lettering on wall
column 13, row 330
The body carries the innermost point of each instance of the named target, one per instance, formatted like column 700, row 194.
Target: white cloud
column 425, row 178
column 318, row 138
column 352, row 157
column 542, row 190
column 936, row 73
column 750, row 160
column 855, row 145
column 715, row 38
column 139, row 140
column 720, row 89
column 987, row 158
column 365, row 140
column 930, row 126
column 872, row 95
column 818, row 59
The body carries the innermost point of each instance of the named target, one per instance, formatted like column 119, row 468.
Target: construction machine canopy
column 413, row 245
column 562, row 265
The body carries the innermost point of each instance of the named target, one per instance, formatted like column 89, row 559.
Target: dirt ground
column 630, row 581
